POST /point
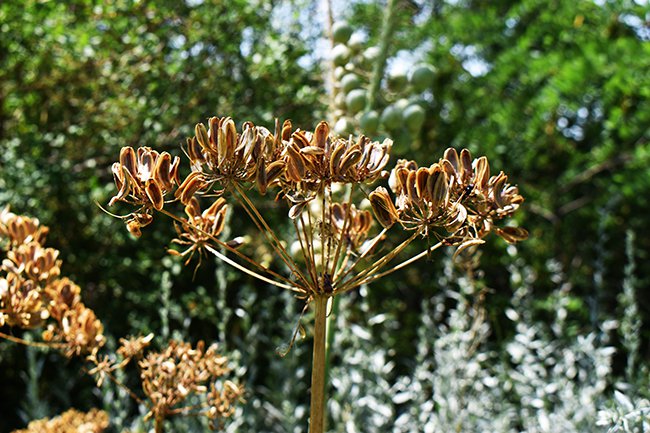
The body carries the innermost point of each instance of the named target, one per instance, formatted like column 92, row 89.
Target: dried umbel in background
column 70, row 421
column 322, row 179
column 34, row 295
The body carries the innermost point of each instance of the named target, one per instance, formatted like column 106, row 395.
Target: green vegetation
column 556, row 93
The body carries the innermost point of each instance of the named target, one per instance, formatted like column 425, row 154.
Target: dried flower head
column 34, row 262
column 79, row 330
column 70, row 421
column 350, row 224
column 19, row 229
column 134, row 346
column 200, row 227
column 21, row 302
column 171, row 376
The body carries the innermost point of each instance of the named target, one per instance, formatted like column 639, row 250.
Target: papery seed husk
column 161, row 172
column 154, row 193
column 173, row 170
column 335, row 157
column 216, row 207
column 482, row 172
column 128, row 160
column 299, row 139
column 297, row 159
column 440, row 189
column 189, row 187
column 193, row 209
column 286, row 130
column 459, row 218
column 146, row 162
column 452, row 157
column 348, row 161
column 448, row 168
column 410, row 186
column 466, row 163
column 201, row 134
column 383, row 207
column 261, row 177
column 312, row 150
column 512, row 234
column 296, row 210
column 134, row 228
column 219, row 223
column 274, row 171
column 421, row 178
column 321, row 133
column 465, row 245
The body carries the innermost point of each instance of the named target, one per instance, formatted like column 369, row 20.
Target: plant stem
column 387, row 30
column 317, row 413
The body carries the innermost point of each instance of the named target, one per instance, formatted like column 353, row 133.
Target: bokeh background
column 546, row 336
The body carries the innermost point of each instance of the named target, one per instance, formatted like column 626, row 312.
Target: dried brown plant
column 322, row 178
column 70, row 421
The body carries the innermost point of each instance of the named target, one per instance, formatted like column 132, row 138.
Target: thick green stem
column 387, row 30
column 317, row 418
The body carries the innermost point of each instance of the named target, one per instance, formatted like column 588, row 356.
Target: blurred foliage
column 554, row 92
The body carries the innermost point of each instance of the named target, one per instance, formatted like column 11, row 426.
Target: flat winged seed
column 192, row 183
column 335, row 157
column 193, row 209
column 439, row 197
column 312, row 150
column 297, row 159
column 146, row 164
column 348, row 161
column 383, row 207
column 421, row 179
column 448, row 168
column 216, row 207
column 297, row 209
column 173, row 170
column 452, row 156
column 512, row 234
column 261, row 178
column 300, row 139
column 459, row 218
column 154, row 193
column 230, row 133
column 466, row 163
column 274, row 171
column 465, row 245
column 410, row 186
column 321, row 133
column 127, row 160
column 286, row 130
column 202, row 137
column 161, row 172
column 482, row 172
column 498, row 190
column 219, row 223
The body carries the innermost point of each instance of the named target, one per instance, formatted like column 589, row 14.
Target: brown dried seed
column 274, row 170
column 193, row 208
column 154, row 193
column 466, row 165
column 460, row 215
column 421, row 179
column 452, row 156
column 161, row 172
column 351, row 157
column 261, row 178
column 383, row 207
column 335, row 157
column 127, row 160
column 410, row 187
column 286, row 130
column 297, row 209
column 192, row 183
column 439, row 195
column 201, row 134
column 216, row 207
column 482, row 172
column 321, row 133
column 312, row 150
column 512, row 234
column 299, row 139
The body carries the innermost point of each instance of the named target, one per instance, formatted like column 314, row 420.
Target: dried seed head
column 383, row 207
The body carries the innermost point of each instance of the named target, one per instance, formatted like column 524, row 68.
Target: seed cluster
column 33, row 294
column 70, row 421
column 171, row 376
column 455, row 194
column 317, row 174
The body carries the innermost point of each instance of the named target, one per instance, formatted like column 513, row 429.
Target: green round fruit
column 414, row 116
column 349, row 82
column 397, row 81
column 391, row 117
column 370, row 55
column 341, row 32
column 355, row 100
column 422, row 77
column 369, row 122
column 339, row 72
column 402, row 103
column 344, row 126
column 339, row 101
column 356, row 42
column 340, row 55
